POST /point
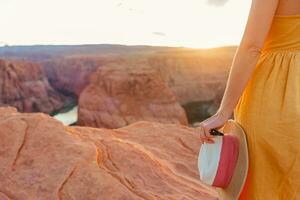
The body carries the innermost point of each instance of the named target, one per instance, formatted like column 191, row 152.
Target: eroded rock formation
column 194, row 75
column 24, row 86
column 120, row 94
column 72, row 75
column 42, row 159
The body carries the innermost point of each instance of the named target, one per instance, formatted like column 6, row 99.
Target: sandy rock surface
column 43, row 160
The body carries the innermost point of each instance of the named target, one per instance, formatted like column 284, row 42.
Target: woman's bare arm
column 259, row 22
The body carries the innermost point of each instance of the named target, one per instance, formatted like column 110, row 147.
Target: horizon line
column 6, row 45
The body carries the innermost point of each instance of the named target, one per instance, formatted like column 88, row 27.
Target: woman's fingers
column 206, row 130
column 204, row 134
column 216, row 121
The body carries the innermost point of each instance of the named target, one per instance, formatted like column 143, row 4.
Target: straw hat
column 224, row 164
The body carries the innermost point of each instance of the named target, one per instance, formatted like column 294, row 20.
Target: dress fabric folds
column 269, row 112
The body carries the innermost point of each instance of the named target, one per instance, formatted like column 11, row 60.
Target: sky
column 187, row 23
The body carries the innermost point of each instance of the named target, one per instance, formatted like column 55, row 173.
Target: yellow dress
column 269, row 112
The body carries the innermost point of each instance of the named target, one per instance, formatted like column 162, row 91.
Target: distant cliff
column 71, row 75
column 121, row 94
column 24, row 85
column 194, row 75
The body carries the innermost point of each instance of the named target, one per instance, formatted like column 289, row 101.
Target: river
column 69, row 117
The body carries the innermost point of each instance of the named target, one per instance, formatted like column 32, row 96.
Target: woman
column 263, row 92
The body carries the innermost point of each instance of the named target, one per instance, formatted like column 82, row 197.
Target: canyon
column 196, row 77
column 130, row 112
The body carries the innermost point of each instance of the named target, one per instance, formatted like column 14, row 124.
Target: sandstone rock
column 194, row 75
column 24, row 86
column 120, row 94
column 43, row 160
column 71, row 75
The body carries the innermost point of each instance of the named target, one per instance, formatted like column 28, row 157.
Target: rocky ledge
column 43, row 160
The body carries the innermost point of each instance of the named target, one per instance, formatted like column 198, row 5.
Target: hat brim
column 234, row 189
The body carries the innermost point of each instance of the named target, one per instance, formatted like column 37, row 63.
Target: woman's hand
column 214, row 122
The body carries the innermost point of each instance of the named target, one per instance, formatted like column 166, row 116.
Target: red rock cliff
column 121, row 94
column 72, row 75
column 24, row 86
column 194, row 75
